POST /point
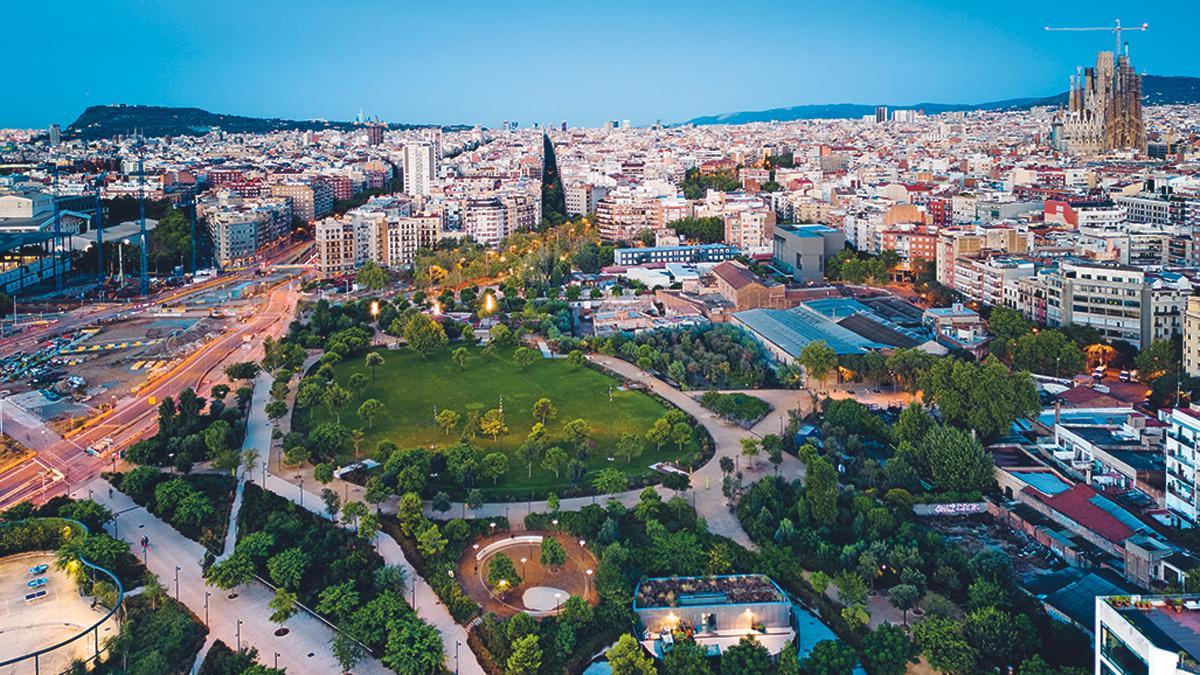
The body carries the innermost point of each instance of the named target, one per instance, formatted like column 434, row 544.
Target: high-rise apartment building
column 486, row 220
column 420, row 169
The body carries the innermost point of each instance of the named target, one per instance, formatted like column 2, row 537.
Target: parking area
column 27, row 625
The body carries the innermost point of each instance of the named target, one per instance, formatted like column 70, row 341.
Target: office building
column 803, row 250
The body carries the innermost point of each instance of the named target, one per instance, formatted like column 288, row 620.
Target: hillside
column 1156, row 90
column 106, row 121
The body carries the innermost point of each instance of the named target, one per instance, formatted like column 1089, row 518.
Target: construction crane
column 1118, row 28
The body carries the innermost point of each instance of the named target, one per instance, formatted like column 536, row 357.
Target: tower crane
column 1118, row 28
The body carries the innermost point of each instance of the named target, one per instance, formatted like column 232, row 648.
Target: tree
column 578, row 432
column 447, row 419
column 1159, row 359
column 818, row 359
column 1048, row 352
column 1008, row 324
column 282, row 605
column 332, row 501
column 459, row 356
column 334, row 397
column 244, row 370
column 681, row 433
column 276, row 409
column 686, row 658
column 424, row 335
column 287, row 567
column 628, row 447
column 576, row 358
column 371, row 276
column 544, row 410
column 985, row 397
column 495, row 465
column 413, row 647
column 502, row 574
column 830, row 657
column 526, row 656
column 913, row 424
column 627, row 657
column 957, row 461
column 475, row 499
column 323, row 473
column 659, row 433
column 944, row 646
column 231, row 572
column 821, row 492
column 555, row 460
column 373, row 361
column 1000, row 639
column 904, row 597
column 887, row 650
column 370, row 409
column 358, row 383
column 524, row 357
column 610, row 481
column 493, row 424
column 216, row 437
column 750, row 447
column 552, row 554
column 430, row 541
column 747, row 657
column 347, row 651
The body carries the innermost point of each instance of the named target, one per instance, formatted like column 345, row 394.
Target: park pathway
column 421, row 595
column 305, row 649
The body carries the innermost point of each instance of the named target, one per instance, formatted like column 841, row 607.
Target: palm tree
column 374, row 360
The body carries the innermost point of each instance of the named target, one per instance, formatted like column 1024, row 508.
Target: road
column 66, row 462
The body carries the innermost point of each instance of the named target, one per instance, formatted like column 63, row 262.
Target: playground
column 542, row 589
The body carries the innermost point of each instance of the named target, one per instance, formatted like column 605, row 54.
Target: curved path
column 705, row 494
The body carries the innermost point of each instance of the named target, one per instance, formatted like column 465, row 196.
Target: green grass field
column 412, row 386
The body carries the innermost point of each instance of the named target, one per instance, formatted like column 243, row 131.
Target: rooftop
column 735, row 589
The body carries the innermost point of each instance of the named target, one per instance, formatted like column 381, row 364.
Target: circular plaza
column 529, row 571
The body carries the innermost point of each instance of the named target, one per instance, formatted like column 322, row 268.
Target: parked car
column 1124, row 376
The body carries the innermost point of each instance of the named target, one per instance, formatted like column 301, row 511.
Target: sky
column 467, row 62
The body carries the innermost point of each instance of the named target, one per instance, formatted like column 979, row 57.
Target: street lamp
column 238, row 634
column 276, row 660
column 554, row 522
column 582, row 545
column 177, row 583
column 587, row 582
column 523, row 561
column 457, row 644
column 206, row 594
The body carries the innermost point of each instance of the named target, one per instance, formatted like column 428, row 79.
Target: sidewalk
column 305, row 649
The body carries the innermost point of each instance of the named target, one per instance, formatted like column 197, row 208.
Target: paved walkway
column 305, row 649
column 426, row 602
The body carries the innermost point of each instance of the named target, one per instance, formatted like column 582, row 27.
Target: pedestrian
column 110, row 492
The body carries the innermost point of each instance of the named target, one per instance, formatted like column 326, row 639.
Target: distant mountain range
column 106, row 121
column 1156, row 90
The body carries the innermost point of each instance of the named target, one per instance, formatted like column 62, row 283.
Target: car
column 38, row 569
column 1124, row 376
column 38, row 583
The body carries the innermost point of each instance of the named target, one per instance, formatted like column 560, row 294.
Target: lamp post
column 177, row 583
column 276, row 660
column 587, row 583
column 523, row 561
column 557, row 603
column 302, row 492
column 582, row 545
column 457, row 644
column 206, row 594
column 475, row 547
column 238, row 635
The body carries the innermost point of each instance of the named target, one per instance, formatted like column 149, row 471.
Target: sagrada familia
column 1104, row 109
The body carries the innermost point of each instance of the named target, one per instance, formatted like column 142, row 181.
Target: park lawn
column 412, row 386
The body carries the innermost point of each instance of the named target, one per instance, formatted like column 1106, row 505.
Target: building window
column 1125, row 660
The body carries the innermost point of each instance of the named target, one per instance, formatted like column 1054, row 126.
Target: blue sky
column 483, row 62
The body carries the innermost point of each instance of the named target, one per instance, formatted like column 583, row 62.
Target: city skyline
column 581, row 64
